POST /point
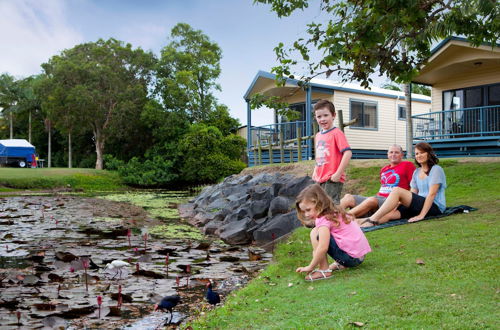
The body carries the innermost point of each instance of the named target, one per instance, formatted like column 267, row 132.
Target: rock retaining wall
column 245, row 209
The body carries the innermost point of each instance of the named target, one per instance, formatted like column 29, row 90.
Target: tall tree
column 9, row 97
column 361, row 37
column 99, row 81
column 187, row 72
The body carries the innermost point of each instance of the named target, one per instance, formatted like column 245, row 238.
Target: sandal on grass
column 310, row 277
column 368, row 220
column 336, row 266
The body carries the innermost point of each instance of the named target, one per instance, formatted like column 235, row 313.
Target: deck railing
column 279, row 143
column 459, row 123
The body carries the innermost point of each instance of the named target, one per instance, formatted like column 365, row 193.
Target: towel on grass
column 448, row 211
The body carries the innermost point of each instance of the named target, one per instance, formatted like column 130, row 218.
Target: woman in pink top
column 334, row 234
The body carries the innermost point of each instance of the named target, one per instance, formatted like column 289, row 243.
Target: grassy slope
column 457, row 287
column 49, row 178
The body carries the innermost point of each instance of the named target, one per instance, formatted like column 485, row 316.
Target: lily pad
column 176, row 231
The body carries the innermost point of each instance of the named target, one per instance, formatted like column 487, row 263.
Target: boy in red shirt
column 332, row 151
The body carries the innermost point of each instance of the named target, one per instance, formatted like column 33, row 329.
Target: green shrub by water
column 453, row 286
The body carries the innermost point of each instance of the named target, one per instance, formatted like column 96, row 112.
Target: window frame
column 399, row 107
column 484, row 92
column 371, row 102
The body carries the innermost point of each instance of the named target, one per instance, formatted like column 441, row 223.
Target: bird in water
column 168, row 303
column 118, row 265
column 212, row 296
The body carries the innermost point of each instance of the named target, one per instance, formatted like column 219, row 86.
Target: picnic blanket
column 448, row 211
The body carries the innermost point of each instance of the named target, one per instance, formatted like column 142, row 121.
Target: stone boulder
column 278, row 226
column 245, row 208
column 295, row 186
column 235, row 232
column 280, row 205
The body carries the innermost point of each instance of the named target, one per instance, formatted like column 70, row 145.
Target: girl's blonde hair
column 323, row 203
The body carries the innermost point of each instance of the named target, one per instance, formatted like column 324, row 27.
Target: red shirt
column 329, row 149
column 397, row 176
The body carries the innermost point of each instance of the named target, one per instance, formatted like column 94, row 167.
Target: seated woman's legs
column 388, row 210
column 369, row 204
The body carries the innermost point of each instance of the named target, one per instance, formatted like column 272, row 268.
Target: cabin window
column 401, row 112
column 471, row 97
column 365, row 112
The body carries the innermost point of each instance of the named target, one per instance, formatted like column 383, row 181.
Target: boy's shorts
column 358, row 199
column 333, row 189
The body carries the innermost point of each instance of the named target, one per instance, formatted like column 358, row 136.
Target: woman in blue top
column 426, row 197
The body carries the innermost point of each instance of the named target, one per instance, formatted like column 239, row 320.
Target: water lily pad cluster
column 55, row 250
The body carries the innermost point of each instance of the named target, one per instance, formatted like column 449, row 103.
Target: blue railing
column 271, row 134
column 459, row 123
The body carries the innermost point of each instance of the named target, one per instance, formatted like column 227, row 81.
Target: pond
column 54, row 251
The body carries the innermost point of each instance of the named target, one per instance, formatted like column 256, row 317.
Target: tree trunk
column 69, row 151
column 29, row 127
column 49, row 153
column 409, row 123
column 99, row 149
column 11, row 126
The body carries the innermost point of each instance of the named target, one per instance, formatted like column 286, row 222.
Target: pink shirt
column 329, row 148
column 349, row 237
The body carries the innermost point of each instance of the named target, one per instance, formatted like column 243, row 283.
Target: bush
column 155, row 172
column 111, row 163
column 208, row 156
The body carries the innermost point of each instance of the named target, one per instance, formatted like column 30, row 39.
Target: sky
column 32, row 31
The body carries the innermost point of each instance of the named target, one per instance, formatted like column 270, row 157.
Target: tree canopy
column 102, row 82
column 187, row 72
column 392, row 37
column 153, row 120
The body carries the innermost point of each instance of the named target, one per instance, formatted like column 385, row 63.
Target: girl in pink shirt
column 334, row 234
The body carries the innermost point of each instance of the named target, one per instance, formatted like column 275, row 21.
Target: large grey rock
column 217, row 204
column 231, row 217
column 275, row 188
column 235, row 201
column 280, row 205
column 261, row 192
column 280, row 225
column 262, row 178
column 294, row 187
column 258, row 209
column 236, row 232
column 242, row 179
column 216, row 195
column 211, row 227
column 256, row 224
column 232, row 190
column 201, row 218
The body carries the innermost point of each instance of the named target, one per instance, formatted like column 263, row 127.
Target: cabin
column 17, row 152
column 380, row 114
column 465, row 116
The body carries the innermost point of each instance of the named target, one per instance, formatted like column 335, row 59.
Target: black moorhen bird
column 168, row 303
column 212, row 296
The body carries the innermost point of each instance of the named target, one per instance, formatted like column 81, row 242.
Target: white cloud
column 31, row 32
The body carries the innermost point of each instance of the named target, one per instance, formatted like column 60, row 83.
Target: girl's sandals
column 325, row 274
column 370, row 221
column 336, row 266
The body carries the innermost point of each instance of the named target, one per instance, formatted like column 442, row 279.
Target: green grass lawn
column 12, row 179
column 456, row 287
